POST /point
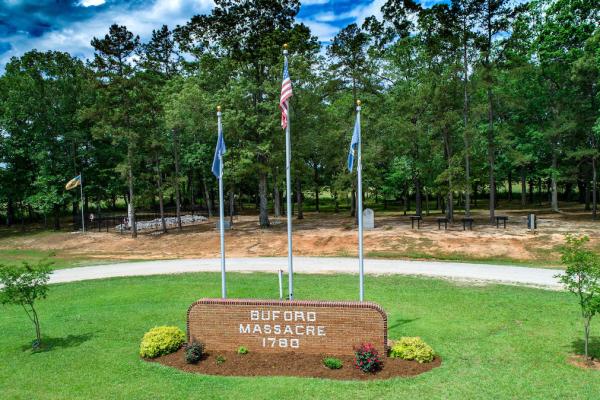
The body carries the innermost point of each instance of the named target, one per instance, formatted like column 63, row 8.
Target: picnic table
column 414, row 218
column 443, row 220
column 502, row 218
column 467, row 221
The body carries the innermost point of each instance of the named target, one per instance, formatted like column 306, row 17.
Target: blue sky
column 69, row 25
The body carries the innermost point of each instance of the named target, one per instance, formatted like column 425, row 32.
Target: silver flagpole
column 288, row 182
column 360, row 208
column 221, row 212
column 82, row 203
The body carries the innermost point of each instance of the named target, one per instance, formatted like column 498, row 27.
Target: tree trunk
column 207, row 199
column 540, row 191
column 231, row 207
column 263, row 202
column 418, row 196
column 531, row 183
column 57, row 217
column 490, row 130
column 554, row 182
column 353, row 201
column 316, row 172
column 510, row 190
column 466, row 119
column 299, row 199
column 523, row 187
column 426, row 203
column 177, row 189
column 594, row 189
column 276, row 197
column 587, row 196
column 10, row 211
column 336, row 202
column 36, row 323
column 448, row 154
column 586, row 341
column 132, row 222
column 161, row 197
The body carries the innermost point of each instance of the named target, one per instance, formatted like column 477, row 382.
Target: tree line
column 458, row 99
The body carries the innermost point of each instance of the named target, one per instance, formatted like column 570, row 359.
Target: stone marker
column 311, row 327
column 368, row 219
column 226, row 225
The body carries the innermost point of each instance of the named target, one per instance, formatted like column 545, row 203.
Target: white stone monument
column 368, row 219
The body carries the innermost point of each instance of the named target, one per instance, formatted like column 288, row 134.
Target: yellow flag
column 73, row 183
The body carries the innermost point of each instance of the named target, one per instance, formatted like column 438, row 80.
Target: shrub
column 367, row 358
column 412, row 348
column 332, row 363
column 161, row 340
column 24, row 285
column 242, row 350
column 582, row 278
column 221, row 359
column 194, row 352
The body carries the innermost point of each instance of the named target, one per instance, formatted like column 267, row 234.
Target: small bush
column 332, row 363
column 194, row 353
column 242, row 350
column 161, row 340
column 367, row 358
column 221, row 360
column 412, row 348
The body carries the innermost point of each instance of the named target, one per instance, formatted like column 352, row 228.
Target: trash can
column 531, row 222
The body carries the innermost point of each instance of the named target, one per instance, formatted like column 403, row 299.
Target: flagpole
column 360, row 209
column 81, row 191
column 221, row 212
column 288, row 190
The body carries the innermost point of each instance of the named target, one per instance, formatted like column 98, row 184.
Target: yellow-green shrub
column 161, row 340
column 412, row 348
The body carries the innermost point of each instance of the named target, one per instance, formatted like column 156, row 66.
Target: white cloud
column 91, row 3
column 324, row 31
column 76, row 37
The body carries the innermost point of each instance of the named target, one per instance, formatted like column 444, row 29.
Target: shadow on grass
column 50, row 343
column 401, row 322
column 577, row 346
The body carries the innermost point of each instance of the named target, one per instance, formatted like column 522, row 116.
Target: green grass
column 411, row 254
column 17, row 256
column 496, row 341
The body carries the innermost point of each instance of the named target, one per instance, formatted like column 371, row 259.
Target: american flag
column 286, row 93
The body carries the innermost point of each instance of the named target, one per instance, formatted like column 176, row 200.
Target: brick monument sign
column 312, row 327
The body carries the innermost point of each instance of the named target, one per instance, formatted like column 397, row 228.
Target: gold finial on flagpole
column 285, row 46
column 358, row 103
column 218, row 108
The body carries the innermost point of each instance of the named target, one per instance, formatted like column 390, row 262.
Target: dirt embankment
column 331, row 235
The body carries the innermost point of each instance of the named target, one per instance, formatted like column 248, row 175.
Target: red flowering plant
column 367, row 358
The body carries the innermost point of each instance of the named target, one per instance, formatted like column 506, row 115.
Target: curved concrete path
column 537, row 277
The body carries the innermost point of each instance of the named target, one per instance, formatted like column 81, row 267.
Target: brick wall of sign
column 314, row 327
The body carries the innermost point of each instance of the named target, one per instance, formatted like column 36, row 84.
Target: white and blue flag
column 353, row 145
column 219, row 151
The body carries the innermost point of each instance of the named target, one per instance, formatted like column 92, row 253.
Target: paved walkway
column 538, row 277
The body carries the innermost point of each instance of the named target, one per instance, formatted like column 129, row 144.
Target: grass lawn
column 496, row 341
column 17, row 256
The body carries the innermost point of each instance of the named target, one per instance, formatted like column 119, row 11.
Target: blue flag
column 219, row 151
column 353, row 145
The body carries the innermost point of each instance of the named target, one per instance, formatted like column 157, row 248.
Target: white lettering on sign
column 267, row 322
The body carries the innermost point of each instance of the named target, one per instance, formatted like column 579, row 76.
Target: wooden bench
column 414, row 218
column 443, row 220
column 469, row 221
column 502, row 218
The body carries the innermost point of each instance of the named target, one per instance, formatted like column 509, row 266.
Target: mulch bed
column 291, row 364
column 581, row 362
